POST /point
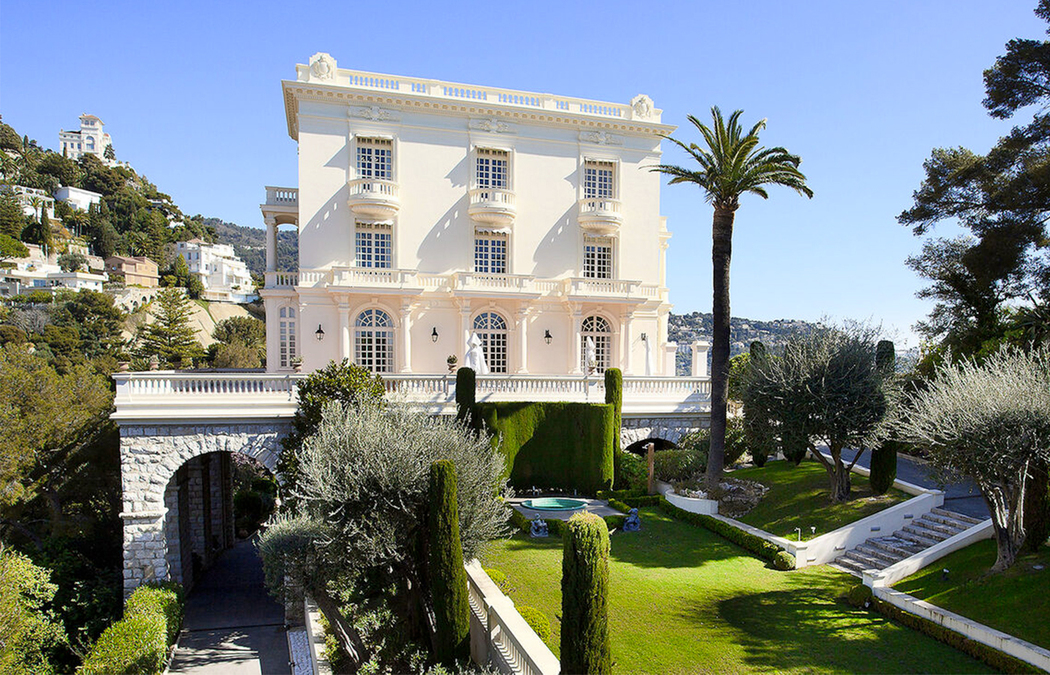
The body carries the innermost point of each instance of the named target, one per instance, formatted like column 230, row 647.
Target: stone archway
column 151, row 458
column 667, row 429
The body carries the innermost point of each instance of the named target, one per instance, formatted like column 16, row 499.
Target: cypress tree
column 758, row 430
column 448, row 580
column 585, row 644
column 884, row 457
column 465, row 394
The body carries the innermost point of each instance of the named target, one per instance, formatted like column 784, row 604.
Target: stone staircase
column 881, row 552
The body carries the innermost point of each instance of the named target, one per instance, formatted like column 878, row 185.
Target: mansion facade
column 431, row 215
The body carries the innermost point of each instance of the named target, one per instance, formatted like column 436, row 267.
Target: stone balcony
column 282, row 205
column 492, row 206
column 600, row 215
column 160, row 396
column 467, row 283
column 374, row 198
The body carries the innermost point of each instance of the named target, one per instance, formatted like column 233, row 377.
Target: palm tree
column 731, row 164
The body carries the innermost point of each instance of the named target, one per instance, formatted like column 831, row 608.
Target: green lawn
column 798, row 497
column 684, row 600
column 1016, row 602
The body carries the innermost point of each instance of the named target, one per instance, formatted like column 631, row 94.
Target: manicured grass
column 1016, row 601
column 798, row 497
column 684, row 600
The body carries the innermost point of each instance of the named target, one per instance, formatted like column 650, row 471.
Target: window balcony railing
column 374, row 197
column 493, row 206
column 498, row 283
column 281, row 279
column 600, row 215
column 282, row 196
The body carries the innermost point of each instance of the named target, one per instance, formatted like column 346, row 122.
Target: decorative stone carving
column 600, row 137
column 374, row 113
column 539, row 527
column 632, row 523
column 642, row 106
column 492, row 125
column 322, row 67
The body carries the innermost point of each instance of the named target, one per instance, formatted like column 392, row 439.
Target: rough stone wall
column 150, row 456
column 672, row 429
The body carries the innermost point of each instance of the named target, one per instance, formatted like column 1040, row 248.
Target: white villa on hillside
column 432, row 213
column 90, row 139
column 225, row 276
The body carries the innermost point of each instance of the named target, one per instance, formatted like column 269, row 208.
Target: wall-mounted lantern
column 645, row 338
column 434, row 334
column 547, row 336
column 319, row 333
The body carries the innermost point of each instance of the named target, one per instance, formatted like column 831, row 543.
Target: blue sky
column 862, row 91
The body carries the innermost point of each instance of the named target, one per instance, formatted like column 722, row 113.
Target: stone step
column 901, row 548
column 944, row 519
column 869, row 561
column 934, row 529
column 918, row 539
column 851, row 566
column 875, row 552
column 961, row 517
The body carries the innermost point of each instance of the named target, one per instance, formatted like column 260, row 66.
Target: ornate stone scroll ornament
column 632, row 523
column 492, row 125
column 600, row 137
column 539, row 527
column 322, row 67
column 642, row 106
column 374, row 113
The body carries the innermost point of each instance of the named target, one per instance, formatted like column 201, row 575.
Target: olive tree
column 362, row 511
column 990, row 422
column 824, row 390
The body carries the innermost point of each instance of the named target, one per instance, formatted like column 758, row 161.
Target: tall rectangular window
column 493, row 169
column 286, row 332
column 490, row 253
column 373, row 244
column 598, row 180
column 597, row 258
column 375, row 158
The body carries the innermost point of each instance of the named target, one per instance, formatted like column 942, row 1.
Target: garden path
column 232, row 625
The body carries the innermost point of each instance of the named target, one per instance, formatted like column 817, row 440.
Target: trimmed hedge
column 139, row 642
column 549, row 444
column 585, row 646
column 859, row 596
column 466, row 383
column 555, row 526
column 448, row 580
column 499, row 577
column 537, row 620
column 760, row 547
column 883, row 467
column 993, row 657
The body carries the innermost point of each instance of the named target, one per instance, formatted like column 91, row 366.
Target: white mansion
column 90, row 139
column 432, row 212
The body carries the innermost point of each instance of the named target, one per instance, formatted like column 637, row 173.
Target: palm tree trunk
column 721, row 252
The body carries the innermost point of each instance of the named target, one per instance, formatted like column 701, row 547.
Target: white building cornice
column 323, row 81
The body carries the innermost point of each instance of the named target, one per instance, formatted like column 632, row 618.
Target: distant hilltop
column 684, row 328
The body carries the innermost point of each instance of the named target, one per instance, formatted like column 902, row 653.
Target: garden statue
column 632, row 523
column 539, row 527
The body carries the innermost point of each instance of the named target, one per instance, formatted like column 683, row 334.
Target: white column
column 271, row 244
column 628, row 319
column 464, row 333
column 406, row 337
column 671, row 348
column 574, row 342
column 522, row 336
column 344, row 332
column 700, row 348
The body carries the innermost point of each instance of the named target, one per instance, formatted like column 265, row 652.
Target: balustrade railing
column 281, row 279
column 374, row 188
column 492, row 197
column 282, row 196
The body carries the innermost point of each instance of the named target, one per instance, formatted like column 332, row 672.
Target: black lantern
column 319, row 333
column 434, row 334
column 547, row 336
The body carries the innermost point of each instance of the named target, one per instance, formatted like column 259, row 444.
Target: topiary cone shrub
column 884, row 457
column 585, row 644
column 465, row 394
column 448, row 580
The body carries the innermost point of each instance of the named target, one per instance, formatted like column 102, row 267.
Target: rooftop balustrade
column 168, row 396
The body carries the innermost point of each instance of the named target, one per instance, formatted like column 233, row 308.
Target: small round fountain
column 554, row 504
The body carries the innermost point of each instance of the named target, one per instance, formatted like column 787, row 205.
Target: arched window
column 492, row 330
column 287, row 336
column 596, row 328
column 90, row 143
column 374, row 341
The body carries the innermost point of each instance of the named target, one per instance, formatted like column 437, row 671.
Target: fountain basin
column 554, row 504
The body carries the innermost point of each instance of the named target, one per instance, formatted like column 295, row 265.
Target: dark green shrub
column 465, row 394
column 679, row 463
column 784, row 561
column 614, row 522
column 760, row 547
column 614, row 397
column 499, row 577
column 883, row 467
column 537, row 620
column 448, row 580
column 736, row 440
column 547, row 444
column 630, row 470
column 859, row 596
column 585, row 644
column 164, row 600
column 759, row 432
column 136, row 644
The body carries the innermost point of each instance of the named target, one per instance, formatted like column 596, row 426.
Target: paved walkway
column 962, row 496
column 232, row 625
